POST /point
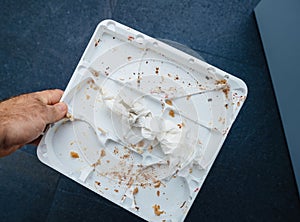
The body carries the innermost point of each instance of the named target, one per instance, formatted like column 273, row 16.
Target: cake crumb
column 157, row 70
column 125, row 156
column 70, row 116
column 103, row 153
column 97, row 42
column 130, row 182
column 74, row 154
column 157, row 184
column 116, row 151
column 135, row 191
column 141, row 143
column 226, row 91
column 103, row 132
column 130, row 38
column 221, row 81
column 169, row 102
column 180, row 125
column 157, row 210
column 172, row 113
column 158, row 193
column 94, row 72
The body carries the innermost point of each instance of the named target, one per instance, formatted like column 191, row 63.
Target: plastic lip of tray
column 146, row 121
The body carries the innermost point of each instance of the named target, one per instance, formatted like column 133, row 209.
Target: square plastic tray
column 145, row 124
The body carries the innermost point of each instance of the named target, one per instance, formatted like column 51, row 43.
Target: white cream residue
column 137, row 123
column 165, row 131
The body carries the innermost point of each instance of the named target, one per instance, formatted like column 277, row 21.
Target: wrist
column 3, row 134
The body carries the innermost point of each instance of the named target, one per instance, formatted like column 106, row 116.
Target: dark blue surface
column 282, row 47
column 252, row 178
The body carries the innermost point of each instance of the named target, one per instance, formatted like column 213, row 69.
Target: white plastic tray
column 146, row 122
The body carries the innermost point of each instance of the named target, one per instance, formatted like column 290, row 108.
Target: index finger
column 50, row 97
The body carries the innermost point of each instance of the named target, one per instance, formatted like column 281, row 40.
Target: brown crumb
column 129, row 58
column 70, row 116
column 103, row 153
column 97, row 42
column 97, row 163
column 172, row 113
column 188, row 97
column 74, row 154
column 135, row 191
column 221, row 81
column 98, row 183
column 157, row 184
column 226, row 106
column 126, row 156
column 116, row 151
column 191, row 170
column 169, row 102
column 130, row 38
column 158, row 193
column 157, row 210
column 107, row 161
column 180, row 125
column 87, row 97
column 141, row 143
column 94, row 72
column 130, row 182
column 139, row 79
column 238, row 103
column 157, row 70
column 102, row 130
column 150, row 148
column 117, row 191
column 226, row 91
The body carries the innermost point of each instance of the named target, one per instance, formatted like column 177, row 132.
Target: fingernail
column 61, row 106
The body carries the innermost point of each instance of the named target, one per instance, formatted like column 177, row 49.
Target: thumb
column 56, row 112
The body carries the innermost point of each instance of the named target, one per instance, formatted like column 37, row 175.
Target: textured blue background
column 41, row 44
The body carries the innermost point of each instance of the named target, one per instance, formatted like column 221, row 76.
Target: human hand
column 23, row 118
